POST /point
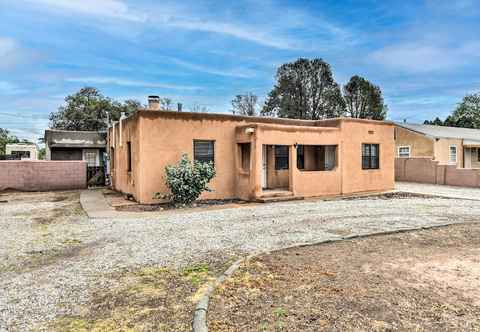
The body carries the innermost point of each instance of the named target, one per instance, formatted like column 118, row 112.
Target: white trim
column 450, row 154
column 403, row 147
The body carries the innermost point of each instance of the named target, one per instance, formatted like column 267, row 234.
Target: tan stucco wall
column 420, row 145
column 160, row 139
column 124, row 181
column 442, row 151
column 354, row 178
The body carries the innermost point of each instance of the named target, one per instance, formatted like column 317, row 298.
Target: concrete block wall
column 42, row 175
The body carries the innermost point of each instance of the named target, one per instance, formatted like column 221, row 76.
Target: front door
column 264, row 166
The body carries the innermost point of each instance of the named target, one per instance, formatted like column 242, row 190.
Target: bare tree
column 246, row 104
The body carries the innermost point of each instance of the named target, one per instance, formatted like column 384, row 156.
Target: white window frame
column 404, row 147
column 450, row 154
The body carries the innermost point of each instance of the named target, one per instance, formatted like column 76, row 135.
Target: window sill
column 316, row 171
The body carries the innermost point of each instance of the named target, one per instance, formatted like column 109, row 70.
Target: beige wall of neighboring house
column 438, row 149
column 159, row 138
column 420, row 145
column 442, row 151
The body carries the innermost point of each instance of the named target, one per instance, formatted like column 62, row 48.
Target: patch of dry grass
column 149, row 299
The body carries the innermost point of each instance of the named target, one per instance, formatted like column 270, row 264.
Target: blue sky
column 425, row 55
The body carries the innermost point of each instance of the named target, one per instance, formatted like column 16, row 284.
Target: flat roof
column 329, row 122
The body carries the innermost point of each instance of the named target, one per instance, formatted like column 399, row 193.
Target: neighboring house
column 89, row 146
column 256, row 158
column 446, row 145
column 21, row 151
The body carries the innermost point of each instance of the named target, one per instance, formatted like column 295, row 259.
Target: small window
column 316, row 157
column 91, row 158
column 18, row 155
column 370, row 156
column 281, row 157
column 453, row 153
column 129, row 156
column 404, row 152
column 204, row 151
column 245, row 156
column 478, row 154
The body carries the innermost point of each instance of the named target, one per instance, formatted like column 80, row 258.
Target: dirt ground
column 148, row 299
column 418, row 281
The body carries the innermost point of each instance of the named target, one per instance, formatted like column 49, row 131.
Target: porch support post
column 256, row 176
column 292, row 168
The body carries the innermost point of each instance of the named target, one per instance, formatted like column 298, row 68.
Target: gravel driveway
column 51, row 268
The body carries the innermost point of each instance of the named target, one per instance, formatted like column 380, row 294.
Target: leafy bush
column 187, row 180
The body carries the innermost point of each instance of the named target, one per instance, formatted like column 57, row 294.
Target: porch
column 471, row 152
column 276, row 164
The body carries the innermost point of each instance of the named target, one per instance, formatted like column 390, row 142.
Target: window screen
column 453, row 154
column 204, row 151
column 281, row 157
column 404, row 152
column 370, row 156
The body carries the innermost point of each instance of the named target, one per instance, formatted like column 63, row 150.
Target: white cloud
column 114, row 9
column 10, row 53
column 234, row 30
column 240, row 72
column 128, row 83
column 422, row 57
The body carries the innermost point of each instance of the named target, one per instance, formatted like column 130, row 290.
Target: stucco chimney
column 153, row 103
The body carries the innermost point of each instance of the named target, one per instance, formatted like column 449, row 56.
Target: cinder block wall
column 42, row 175
column 425, row 170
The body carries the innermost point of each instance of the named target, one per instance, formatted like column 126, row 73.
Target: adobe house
column 256, row 158
column 446, row 145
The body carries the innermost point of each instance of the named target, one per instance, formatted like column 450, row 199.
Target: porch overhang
column 471, row 144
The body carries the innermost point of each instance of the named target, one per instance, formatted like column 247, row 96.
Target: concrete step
column 275, row 193
column 278, row 197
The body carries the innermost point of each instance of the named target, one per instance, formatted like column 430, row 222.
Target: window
column 370, row 156
column 281, row 157
column 245, row 156
column 129, row 156
column 300, row 156
column 91, row 158
column 478, row 154
column 316, row 157
column 453, row 153
column 18, row 155
column 204, row 151
column 404, row 152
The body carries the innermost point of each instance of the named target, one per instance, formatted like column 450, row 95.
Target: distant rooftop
column 75, row 139
column 443, row 132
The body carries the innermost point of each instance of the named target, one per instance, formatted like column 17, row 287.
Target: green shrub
column 187, row 180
